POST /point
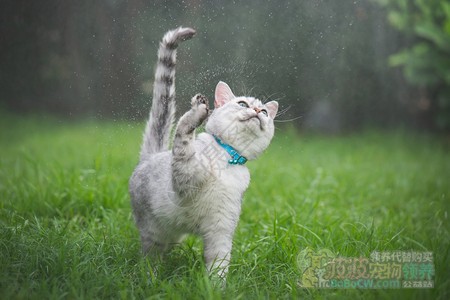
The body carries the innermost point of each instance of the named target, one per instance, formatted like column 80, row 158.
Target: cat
column 197, row 186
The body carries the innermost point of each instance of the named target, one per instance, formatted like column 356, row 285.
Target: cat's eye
column 264, row 112
column 243, row 104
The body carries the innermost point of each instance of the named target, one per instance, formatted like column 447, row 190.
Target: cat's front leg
column 187, row 172
column 217, row 252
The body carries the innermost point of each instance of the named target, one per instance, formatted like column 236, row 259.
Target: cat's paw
column 200, row 108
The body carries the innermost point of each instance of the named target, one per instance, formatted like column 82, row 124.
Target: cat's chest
column 219, row 201
column 231, row 179
column 224, row 189
column 225, row 183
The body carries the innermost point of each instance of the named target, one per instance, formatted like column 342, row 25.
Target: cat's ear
column 272, row 108
column 223, row 94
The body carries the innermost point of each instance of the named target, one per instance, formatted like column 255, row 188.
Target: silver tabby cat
column 196, row 187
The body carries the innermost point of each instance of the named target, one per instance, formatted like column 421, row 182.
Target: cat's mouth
column 254, row 118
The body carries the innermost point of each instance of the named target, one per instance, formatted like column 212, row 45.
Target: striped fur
column 162, row 114
column 192, row 189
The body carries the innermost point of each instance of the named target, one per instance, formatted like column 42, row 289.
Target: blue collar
column 236, row 158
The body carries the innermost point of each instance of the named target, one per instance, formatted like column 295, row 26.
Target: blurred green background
column 335, row 65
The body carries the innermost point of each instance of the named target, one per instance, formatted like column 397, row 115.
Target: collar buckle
column 236, row 158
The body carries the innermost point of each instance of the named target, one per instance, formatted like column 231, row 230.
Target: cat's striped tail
column 162, row 113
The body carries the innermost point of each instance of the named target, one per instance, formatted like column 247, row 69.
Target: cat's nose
column 257, row 110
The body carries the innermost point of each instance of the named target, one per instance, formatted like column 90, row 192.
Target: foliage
column 426, row 62
column 97, row 57
column 66, row 229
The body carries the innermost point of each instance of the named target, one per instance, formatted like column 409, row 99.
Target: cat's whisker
column 245, row 90
column 271, row 97
column 283, row 111
column 288, row 120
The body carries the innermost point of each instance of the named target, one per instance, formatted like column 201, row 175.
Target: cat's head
column 245, row 123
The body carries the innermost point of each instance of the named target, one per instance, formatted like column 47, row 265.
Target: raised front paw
column 200, row 107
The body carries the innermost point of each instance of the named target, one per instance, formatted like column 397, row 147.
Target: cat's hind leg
column 152, row 245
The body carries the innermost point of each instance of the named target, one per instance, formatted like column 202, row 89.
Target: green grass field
column 67, row 230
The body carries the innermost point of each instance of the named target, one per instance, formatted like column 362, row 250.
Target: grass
column 67, row 230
